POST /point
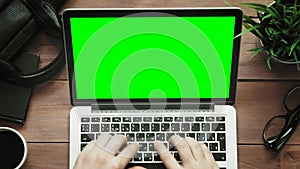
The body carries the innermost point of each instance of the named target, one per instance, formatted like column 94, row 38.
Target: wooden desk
column 259, row 97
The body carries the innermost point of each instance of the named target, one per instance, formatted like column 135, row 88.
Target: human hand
column 194, row 155
column 102, row 153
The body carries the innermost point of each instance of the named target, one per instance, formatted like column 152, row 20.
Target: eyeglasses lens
column 274, row 128
column 293, row 98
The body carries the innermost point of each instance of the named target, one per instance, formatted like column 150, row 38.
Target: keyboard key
column 177, row 157
column 165, row 127
column 138, row 157
column 85, row 119
column 85, row 128
column 219, row 156
column 105, row 127
column 140, row 136
column 155, row 127
column 151, row 147
column 96, row 119
column 175, row 127
column 179, row 119
column 205, row 127
column 156, row 157
column 145, row 127
column 125, row 127
column 97, row 135
column 192, row 135
column 150, row 137
column 130, row 137
column 200, row 136
column 185, row 127
column 157, row 119
column 143, row 146
column 172, row 148
column 116, row 119
column 148, row 157
column 87, row 137
column 106, row 119
column 220, row 136
column 210, row 118
column 213, row 146
column 222, row 141
column 135, row 127
column 195, row 126
column 166, row 144
column 180, row 134
column 189, row 119
column 95, row 127
column 115, row 127
column 147, row 119
column 218, row 126
column 199, row 119
column 137, row 119
column 168, row 119
column 126, row 119
column 160, row 137
column 211, row 137
column 169, row 135
column 220, row 118
column 82, row 146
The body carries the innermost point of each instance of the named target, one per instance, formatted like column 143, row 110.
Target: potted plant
column 278, row 28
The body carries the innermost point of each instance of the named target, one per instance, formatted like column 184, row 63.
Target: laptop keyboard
column 211, row 130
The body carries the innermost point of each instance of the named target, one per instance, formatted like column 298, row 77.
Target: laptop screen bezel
column 181, row 12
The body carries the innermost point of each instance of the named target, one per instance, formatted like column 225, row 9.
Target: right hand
column 194, row 155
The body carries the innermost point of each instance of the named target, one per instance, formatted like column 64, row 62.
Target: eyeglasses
column 279, row 128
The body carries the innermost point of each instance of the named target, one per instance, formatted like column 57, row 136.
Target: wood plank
column 256, row 157
column 155, row 3
column 257, row 69
column 47, row 156
column 256, row 103
column 55, row 155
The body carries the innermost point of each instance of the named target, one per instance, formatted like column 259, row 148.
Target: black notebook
column 14, row 99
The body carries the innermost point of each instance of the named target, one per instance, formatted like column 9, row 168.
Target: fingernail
column 160, row 147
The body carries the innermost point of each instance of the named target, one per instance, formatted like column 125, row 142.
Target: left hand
column 103, row 153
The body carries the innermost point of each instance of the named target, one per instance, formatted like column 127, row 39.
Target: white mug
column 13, row 148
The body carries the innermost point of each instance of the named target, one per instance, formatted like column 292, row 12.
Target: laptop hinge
column 169, row 106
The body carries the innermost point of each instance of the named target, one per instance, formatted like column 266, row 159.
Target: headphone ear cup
column 8, row 71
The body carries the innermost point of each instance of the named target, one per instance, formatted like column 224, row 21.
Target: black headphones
column 43, row 15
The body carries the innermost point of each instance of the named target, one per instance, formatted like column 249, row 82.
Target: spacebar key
column 219, row 156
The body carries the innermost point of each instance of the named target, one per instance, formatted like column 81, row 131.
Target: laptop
column 152, row 73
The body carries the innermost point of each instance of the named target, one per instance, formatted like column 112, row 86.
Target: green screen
column 152, row 57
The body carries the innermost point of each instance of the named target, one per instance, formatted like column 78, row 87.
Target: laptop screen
column 145, row 55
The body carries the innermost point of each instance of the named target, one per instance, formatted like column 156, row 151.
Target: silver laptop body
column 153, row 73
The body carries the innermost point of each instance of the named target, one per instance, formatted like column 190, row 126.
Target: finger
column 89, row 146
column 103, row 139
column 196, row 149
column 209, row 155
column 165, row 155
column 115, row 143
column 183, row 148
column 127, row 153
